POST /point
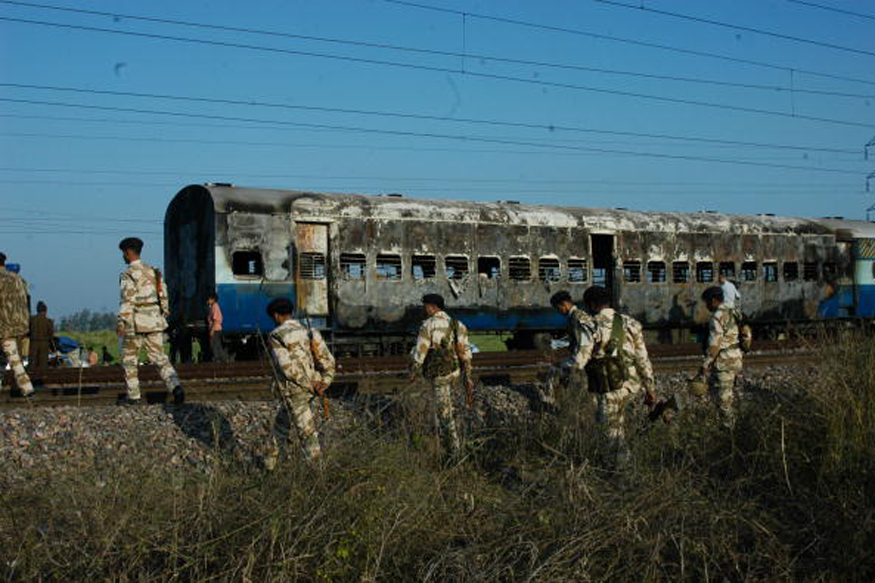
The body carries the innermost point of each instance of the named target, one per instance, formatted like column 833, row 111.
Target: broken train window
column 456, row 266
column 247, row 264
column 423, row 267
column 704, row 272
column 749, row 271
column 312, row 265
column 577, row 271
column 520, row 268
column 727, row 268
column 548, row 269
column 632, row 271
column 352, row 265
column 770, row 271
column 680, row 272
column 656, row 272
column 489, row 266
column 389, row 266
column 809, row 271
column 791, row 271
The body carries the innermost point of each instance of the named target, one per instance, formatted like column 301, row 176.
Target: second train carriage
column 358, row 265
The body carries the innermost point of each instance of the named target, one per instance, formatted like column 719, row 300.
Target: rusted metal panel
column 311, row 268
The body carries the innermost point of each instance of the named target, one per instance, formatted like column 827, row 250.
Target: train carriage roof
column 335, row 206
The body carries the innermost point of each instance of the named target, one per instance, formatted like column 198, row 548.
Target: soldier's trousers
column 442, row 389
column 10, row 348
column 298, row 404
column 721, row 385
column 153, row 342
column 39, row 354
column 611, row 414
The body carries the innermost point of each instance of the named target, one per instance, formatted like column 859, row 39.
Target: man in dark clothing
column 42, row 330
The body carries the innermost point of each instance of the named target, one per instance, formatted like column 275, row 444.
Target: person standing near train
column 214, row 329
column 304, row 369
column 142, row 322
column 731, row 297
column 441, row 355
column 42, row 332
column 723, row 354
column 609, row 348
column 14, row 323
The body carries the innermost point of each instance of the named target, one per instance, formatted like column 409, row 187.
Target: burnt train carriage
column 358, row 265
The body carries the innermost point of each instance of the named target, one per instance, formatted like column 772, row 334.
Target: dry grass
column 790, row 494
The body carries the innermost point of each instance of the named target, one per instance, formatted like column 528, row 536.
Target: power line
column 410, row 66
column 760, row 31
column 172, row 172
column 833, row 9
column 455, row 54
column 630, row 41
column 433, row 135
column 401, row 115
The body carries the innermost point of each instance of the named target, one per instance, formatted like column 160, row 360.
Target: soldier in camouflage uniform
column 594, row 344
column 305, row 369
column 722, row 361
column 576, row 324
column 440, row 355
column 14, row 323
column 141, row 322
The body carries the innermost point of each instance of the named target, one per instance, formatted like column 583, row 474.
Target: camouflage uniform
column 611, row 406
column 432, row 334
column 723, row 360
column 14, row 325
column 302, row 363
column 141, row 319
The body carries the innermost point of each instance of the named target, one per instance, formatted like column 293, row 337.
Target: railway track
column 250, row 381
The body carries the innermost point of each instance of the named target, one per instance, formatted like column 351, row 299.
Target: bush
column 789, row 494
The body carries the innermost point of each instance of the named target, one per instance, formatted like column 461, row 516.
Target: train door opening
column 603, row 261
column 311, row 269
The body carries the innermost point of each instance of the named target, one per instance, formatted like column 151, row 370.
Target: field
column 789, row 494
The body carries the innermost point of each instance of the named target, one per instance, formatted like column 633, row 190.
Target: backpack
column 441, row 359
column 608, row 374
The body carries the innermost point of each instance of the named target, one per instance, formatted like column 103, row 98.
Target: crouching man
column 305, row 370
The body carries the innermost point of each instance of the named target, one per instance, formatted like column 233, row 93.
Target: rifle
column 158, row 286
column 460, row 354
column 313, row 352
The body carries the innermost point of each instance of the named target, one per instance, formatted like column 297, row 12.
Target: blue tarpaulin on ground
column 66, row 344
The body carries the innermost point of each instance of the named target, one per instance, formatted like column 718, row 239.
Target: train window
column 312, row 265
column 352, row 265
column 457, row 266
column 599, row 276
column 829, row 271
column 809, row 271
column 388, row 266
column 727, row 268
column 749, row 271
column 655, row 272
column 548, row 269
column 520, row 268
column 247, row 264
column 577, row 271
column 423, row 266
column 680, row 272
column 632, row 271
column 791, row 271
column 704, row 272
column 770, row 271
column 489, row 266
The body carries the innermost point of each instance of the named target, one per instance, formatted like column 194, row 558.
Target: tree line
column 87, row 321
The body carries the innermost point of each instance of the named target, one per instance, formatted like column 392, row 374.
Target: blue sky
column 79, row 170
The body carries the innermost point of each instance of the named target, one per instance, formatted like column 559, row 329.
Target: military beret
column 433, row 299
column 133, row 243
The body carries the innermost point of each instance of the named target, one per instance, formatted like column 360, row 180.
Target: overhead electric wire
column 630, row 41
column 761, row 31
column 429, row 68
column 435, row 135
column 403, row 115
column 833, row 9
column 455, row 54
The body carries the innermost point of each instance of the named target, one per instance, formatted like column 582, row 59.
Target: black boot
column 178, row 395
